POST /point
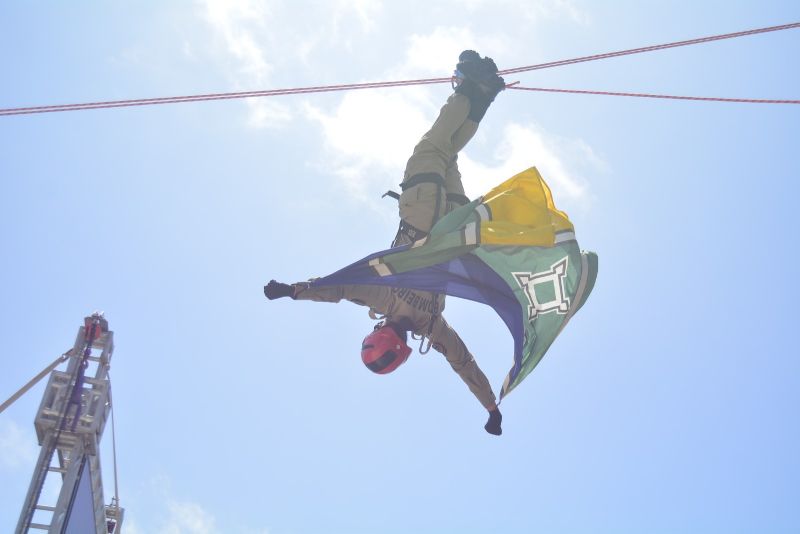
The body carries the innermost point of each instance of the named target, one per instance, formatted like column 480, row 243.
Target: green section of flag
column 546, row 282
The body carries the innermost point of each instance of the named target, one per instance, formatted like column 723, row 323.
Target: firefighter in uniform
column 431, row 188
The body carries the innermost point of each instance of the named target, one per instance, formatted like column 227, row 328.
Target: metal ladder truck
column 69, row 425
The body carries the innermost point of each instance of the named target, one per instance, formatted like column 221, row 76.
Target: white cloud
column 265, row 113
column 191, row 518
column 533, row 11
column 436, row 53
column 234, row 22
column 17, row 447
column 370, row 134
column 188, row 518
column 365, row 12
column 241, row 29
column 252, row 39
column 522, row 147
column 158, row 511
column 558, row 8
column 369, row 137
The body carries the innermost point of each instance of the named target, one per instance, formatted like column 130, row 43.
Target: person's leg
column 464, row 134
column 420, row 207
column 435, row 150
column 432, row 183
column 453, row 187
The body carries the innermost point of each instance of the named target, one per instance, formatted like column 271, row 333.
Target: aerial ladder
column 69, row 425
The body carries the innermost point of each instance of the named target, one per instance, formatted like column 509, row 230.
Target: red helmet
column 383, row 350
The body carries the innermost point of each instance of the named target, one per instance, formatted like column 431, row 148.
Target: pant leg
column 449, row 134
column 436, row 149
column 422, row 205
column 454, row 189
column 463, row 135
column 452, row 177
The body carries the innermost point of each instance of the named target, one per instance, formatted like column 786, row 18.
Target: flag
column 511, row 249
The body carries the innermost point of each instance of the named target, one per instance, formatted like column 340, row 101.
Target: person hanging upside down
column 431, row 188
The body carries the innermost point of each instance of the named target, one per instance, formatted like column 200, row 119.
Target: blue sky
column 669, row 403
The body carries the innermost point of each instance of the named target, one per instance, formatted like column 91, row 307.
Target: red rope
column 215, row 96
column 650, row 48
column 374, row 85
column 648, row 95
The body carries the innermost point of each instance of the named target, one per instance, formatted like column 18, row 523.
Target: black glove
column 482, row 71
column 275, row 290
column 493, row 424
column 480, row 93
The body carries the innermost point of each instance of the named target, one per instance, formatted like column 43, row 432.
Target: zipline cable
column 217, row 96
column 648, row 95
column 650, row 48
column 375, row 85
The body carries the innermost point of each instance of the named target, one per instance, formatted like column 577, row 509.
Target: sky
column 669, row 404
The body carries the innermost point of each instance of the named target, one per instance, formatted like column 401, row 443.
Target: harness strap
column 458, row 198
column 422, row 178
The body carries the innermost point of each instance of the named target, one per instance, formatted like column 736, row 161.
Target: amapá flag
column 511, row 249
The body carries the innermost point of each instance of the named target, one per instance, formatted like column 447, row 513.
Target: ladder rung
column 45, row 508
column 57, row 470
column 40, row 526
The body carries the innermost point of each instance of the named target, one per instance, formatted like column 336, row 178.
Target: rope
column 374, row 85
column 32, row 382
column 115, row 500
column 217, row 96
column 650, row 48
column 647, row 95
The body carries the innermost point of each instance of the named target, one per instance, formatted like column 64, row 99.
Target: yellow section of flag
column 523, row 213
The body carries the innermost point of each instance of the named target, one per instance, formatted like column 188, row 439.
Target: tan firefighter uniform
column 432, row 182
column 423, row 309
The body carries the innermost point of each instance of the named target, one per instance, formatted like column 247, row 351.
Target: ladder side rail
column 49, row 442
column 37, row 482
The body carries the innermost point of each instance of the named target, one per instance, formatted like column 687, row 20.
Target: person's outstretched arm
column 447, row 341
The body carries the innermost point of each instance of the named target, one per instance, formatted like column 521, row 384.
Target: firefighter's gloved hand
column 275, row 290
column 493, row 424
